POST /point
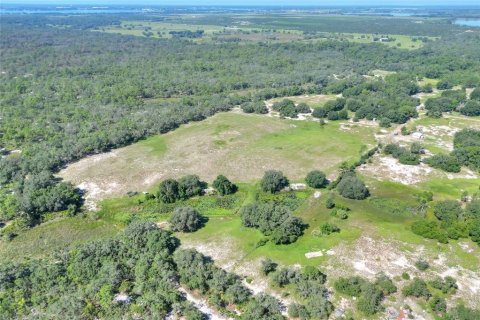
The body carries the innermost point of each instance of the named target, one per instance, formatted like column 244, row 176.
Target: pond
column 468, row 22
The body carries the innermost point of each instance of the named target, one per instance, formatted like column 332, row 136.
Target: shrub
column 283, row 277
column 475, row 95
column 461, row 312
column 268, row 266
column 224, row 186
column 444, row 85
column 319, row 307
column 438, row 304
column 385, row 284
column 296, row 310
column 169, row 191
column 333, row 115
column 335, row 105
column 289, row 231
column 444, row 162
column 416, row 148
column 370, row 301
column 328, row 228
column 185, row 219
column 471, row 108
column 352, row 188
column 353, row 104
column 330, row 203
column 263, row 307
column 422, row 265
column 402, row 154
column 350, row 286
column 448, row 211
column 430, row 230
column 316, row 179
column 190, row 186
column 342, row 214
column 273, row 181
column 254, row 107
column 319, row 113
column 417, row 288
column 286, row 108
column 447, row 285
column 409, row 158
column 303, row 108
column 274, row 220
column 236, row 294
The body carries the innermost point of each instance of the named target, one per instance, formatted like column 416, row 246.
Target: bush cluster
column 273, row 220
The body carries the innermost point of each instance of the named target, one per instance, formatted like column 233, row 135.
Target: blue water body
column 90, row 10
column 468, row 22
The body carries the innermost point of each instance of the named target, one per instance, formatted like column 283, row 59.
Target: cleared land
column 313, row 101
column 210, row 32
column 244, row 31
column 239, row 146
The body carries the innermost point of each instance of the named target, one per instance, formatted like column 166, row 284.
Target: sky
column 255, row 2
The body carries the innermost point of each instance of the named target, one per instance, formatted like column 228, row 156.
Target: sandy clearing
column 240, row 147
column 202, row 305
column 368, row 256
column 387, row 168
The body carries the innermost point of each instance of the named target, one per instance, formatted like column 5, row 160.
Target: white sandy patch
column 362, row 267
column 368, row 257
column 201, row 304
column 388, row 168
column 313, row 254
column 94, row 191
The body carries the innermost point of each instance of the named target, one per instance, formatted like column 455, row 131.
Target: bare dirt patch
column 314, row 100
column 387, row 168
column 369, row 256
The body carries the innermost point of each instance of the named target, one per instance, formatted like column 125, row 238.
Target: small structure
column 392, row 313
column 122, row 298
column 209, row 191
column 298, row 186
column 313, row 254
column 339, row 313
column 418, row 135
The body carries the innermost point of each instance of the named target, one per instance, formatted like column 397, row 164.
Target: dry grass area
column 313, row 101
column 239, row 146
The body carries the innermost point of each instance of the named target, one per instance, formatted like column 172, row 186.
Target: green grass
column 211, row 32
column 401, row 41
column 239, row 146
column 54, row 235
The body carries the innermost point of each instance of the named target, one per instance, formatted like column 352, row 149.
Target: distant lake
column 468, row 22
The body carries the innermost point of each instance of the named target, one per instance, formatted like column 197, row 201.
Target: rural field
column 240, row 162
column 237, row 145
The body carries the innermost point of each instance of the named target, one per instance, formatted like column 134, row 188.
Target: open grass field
column 54, row 236
column 245, row 31
column 391, row 40
column 211, row 32
column 238, row 145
